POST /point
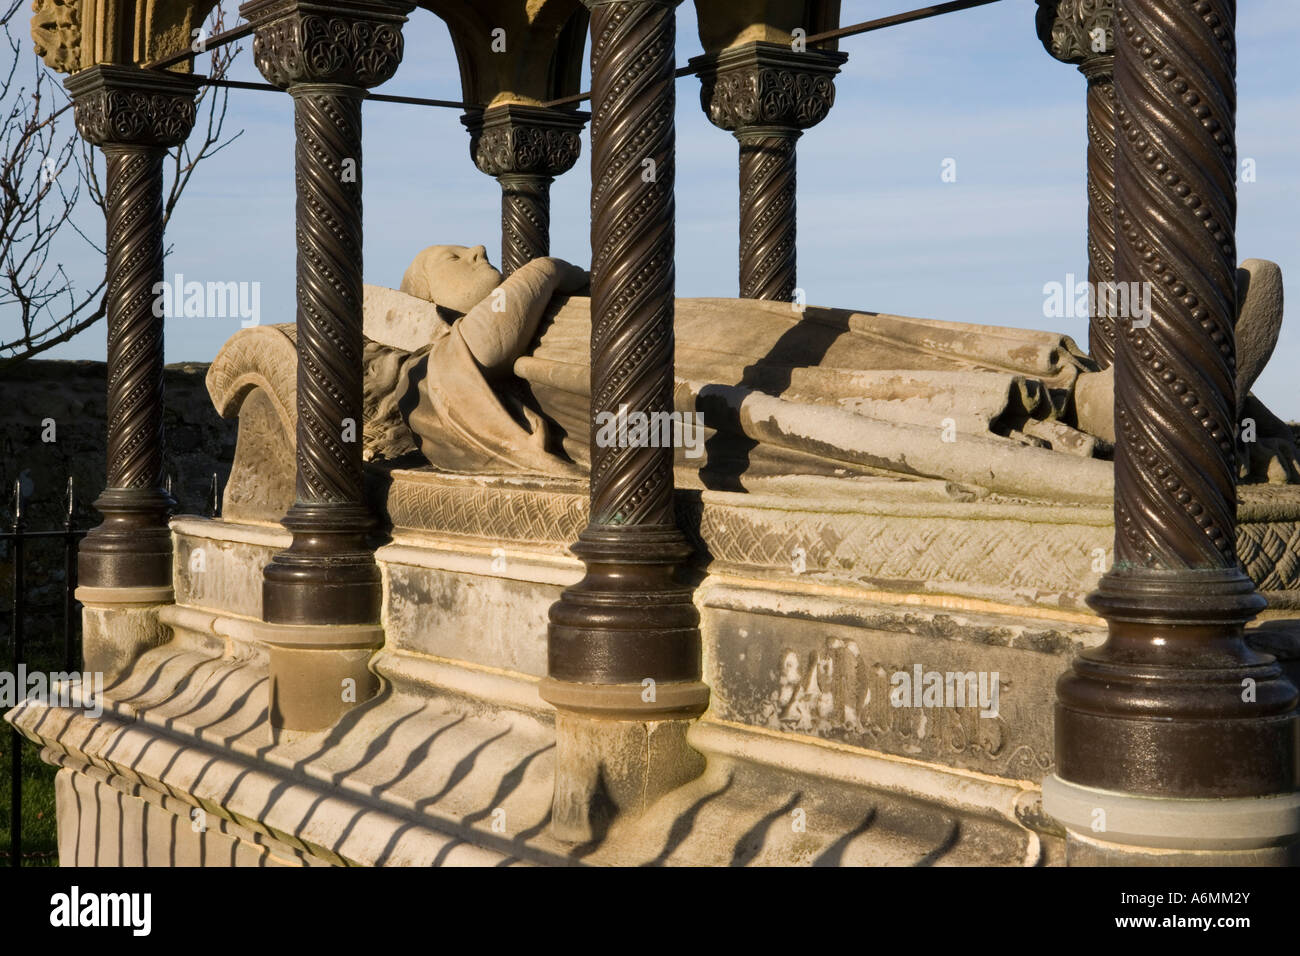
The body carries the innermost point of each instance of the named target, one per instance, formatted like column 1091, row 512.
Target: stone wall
column 52, row 426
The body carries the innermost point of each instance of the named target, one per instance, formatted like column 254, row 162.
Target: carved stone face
column 455, row 277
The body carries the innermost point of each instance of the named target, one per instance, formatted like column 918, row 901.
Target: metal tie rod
column 921, row 13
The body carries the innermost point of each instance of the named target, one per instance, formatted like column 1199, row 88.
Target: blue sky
column 878, row 228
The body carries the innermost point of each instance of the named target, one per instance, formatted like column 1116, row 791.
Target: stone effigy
column 491, row 377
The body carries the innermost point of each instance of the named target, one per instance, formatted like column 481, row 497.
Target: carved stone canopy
column 515, row 51
column 525, row 139
column 128, row 105
column 731, row 23
column 767, row 84
column 357, row 44
column 1077, row 31
column 71, row 35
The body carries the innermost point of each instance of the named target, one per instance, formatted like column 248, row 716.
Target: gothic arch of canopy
column 515, row 51
column 731, row 23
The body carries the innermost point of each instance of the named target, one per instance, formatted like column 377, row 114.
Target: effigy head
column 454, row 277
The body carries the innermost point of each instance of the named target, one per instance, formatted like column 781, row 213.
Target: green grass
column 40, row 845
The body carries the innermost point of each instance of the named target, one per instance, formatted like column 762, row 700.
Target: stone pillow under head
column 399, row 320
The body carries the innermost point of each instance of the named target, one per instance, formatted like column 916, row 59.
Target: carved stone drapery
column 629, row 620
column 327, row 55
column 134, row 116
column 767, row 94
column 524, row 148
column 1081, row 32
column 1175, row 703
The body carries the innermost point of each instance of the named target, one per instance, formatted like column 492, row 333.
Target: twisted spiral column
column 767, row 94
column 525, row 219
column 133, row 204
column 1160, row 709
column 767, row 213
column 328, row 575
column 326, row 57
column 327, row 124
column 133, row 115
column 629, row 619
column 1101, row 201
column 1081, row 32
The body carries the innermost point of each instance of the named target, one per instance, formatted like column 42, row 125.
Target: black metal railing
column 18, row 536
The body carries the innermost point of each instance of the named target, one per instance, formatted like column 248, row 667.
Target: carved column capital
column 767, row 94
column 767, row 84
column 1080, row 32
column 130, row 106
column 357, row 44
column 524, row 147
column 525, row 139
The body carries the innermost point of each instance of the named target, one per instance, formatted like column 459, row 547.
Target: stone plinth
column 800, row 648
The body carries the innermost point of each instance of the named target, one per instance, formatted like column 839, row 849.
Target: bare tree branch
column 41, row 305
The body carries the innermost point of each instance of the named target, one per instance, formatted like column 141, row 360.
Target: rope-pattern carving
column 632, row 134
column 328, row 163
column 767, row 215
column 1175, row 221
column 133, row 205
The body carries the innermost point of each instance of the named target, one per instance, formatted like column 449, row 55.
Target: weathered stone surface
column 1259, row 320
column 114, row 637
column 504, row 389
column 423, row 776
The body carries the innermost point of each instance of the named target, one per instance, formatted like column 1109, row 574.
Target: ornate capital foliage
column 129, row 106
column 767, row 84
column 525, row 139
column 357, row 44
column 1077, row 31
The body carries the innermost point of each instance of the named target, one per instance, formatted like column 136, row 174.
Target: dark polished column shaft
column 134, row 116
column 1175, row 703
column 630, row 619
column 767, row 213
column 328, row 575
column 1101, row 203
column 326, row 56
column 767, row 94
column 525, row 148
column 1081, row 32
column 525, row 219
